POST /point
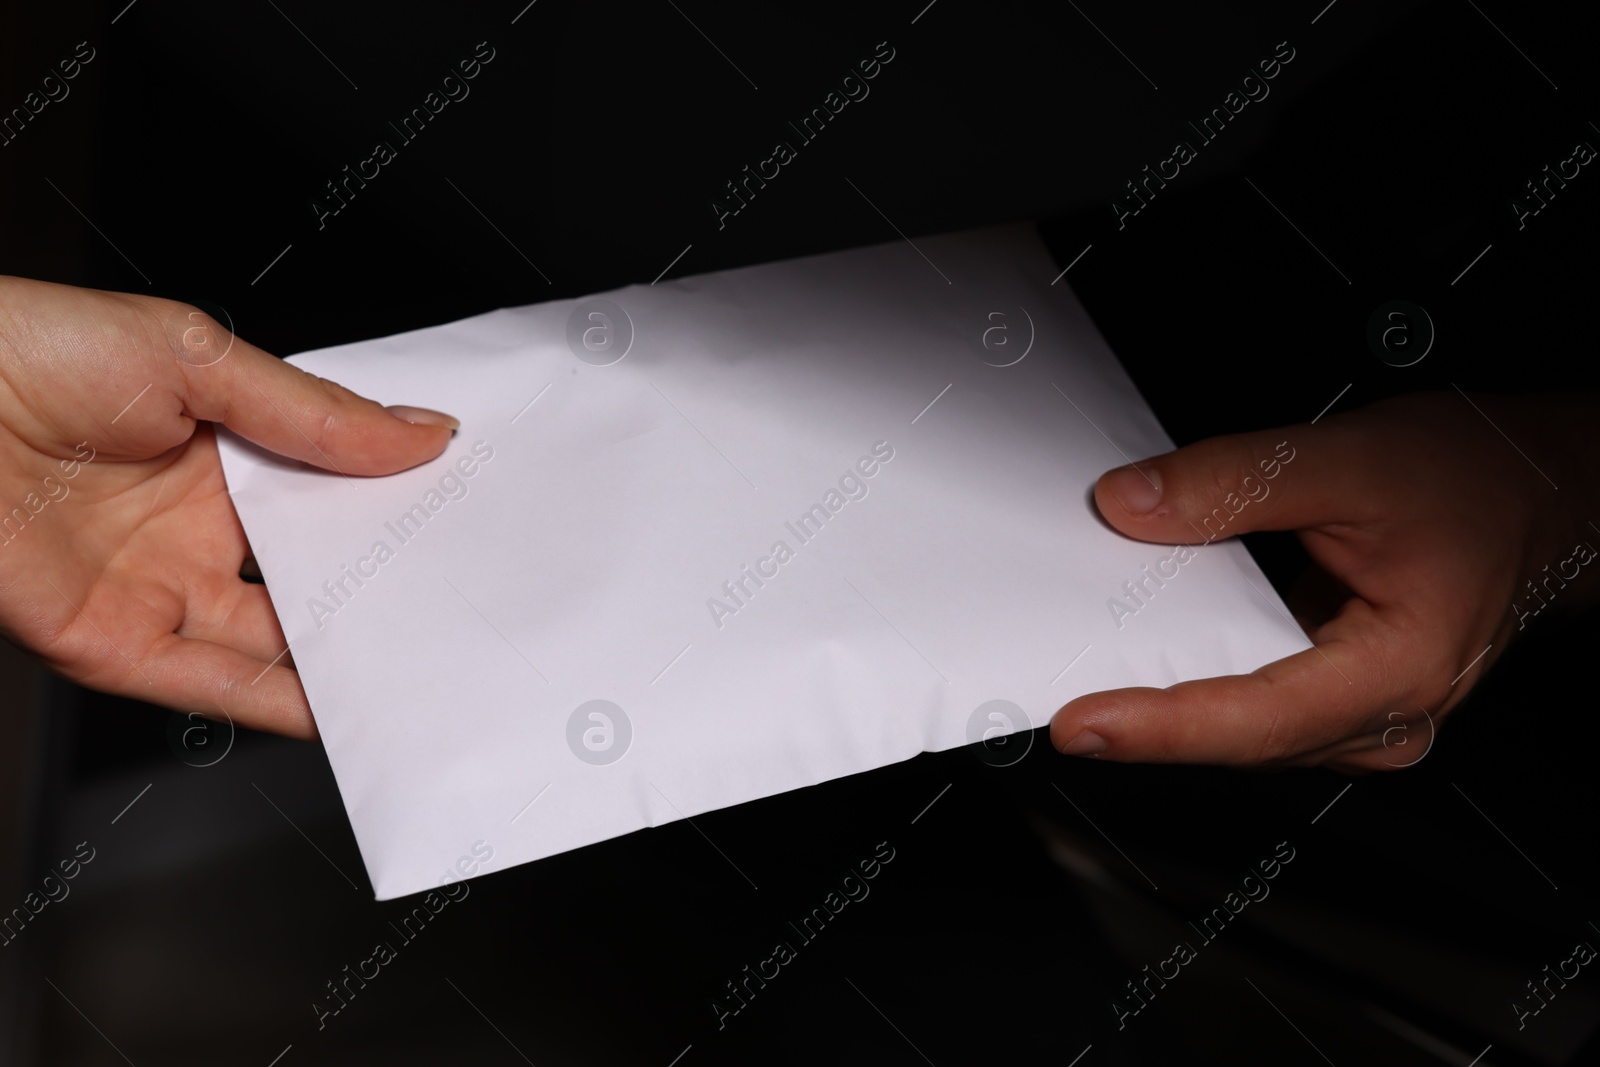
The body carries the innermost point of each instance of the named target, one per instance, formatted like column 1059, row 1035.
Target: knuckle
column 1276, row 741
column 1210, row 484
column 326, row 432
column 338, row 406
column 1221, row 468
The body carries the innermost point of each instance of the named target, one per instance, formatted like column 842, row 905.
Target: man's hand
column 120, row 550
column 1426, row 524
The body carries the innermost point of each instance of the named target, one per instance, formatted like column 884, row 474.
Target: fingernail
column 1087, row 743
column 424, row 417
column 1137, row 491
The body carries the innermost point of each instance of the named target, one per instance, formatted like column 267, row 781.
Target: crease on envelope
column 580, row 561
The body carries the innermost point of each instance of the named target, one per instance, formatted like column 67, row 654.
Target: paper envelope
column 716, row 538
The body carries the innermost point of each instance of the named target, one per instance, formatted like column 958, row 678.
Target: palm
column 136, row 576
column 122, row 571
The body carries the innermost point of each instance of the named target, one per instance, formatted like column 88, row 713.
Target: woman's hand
column 119, row 547
column 1426, row 520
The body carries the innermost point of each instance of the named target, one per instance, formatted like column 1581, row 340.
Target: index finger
column 1291, row 706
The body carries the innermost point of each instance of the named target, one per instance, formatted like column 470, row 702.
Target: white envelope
column 709, row 540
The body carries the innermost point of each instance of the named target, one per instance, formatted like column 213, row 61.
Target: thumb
column 283, row 408
column 1284, row 479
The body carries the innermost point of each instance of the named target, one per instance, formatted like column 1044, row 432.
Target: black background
column 186, row 158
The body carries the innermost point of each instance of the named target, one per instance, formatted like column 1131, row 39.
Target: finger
column 281, row 407
column 206, row 372
column 1295, row 705
column 186, row 674
column 1340, row 752
column 1406, row 739
column 241, row 618
column 1285, row 479
column 1363, row 763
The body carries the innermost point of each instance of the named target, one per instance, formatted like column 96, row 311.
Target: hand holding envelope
column 670, row 583
column 704, row 487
